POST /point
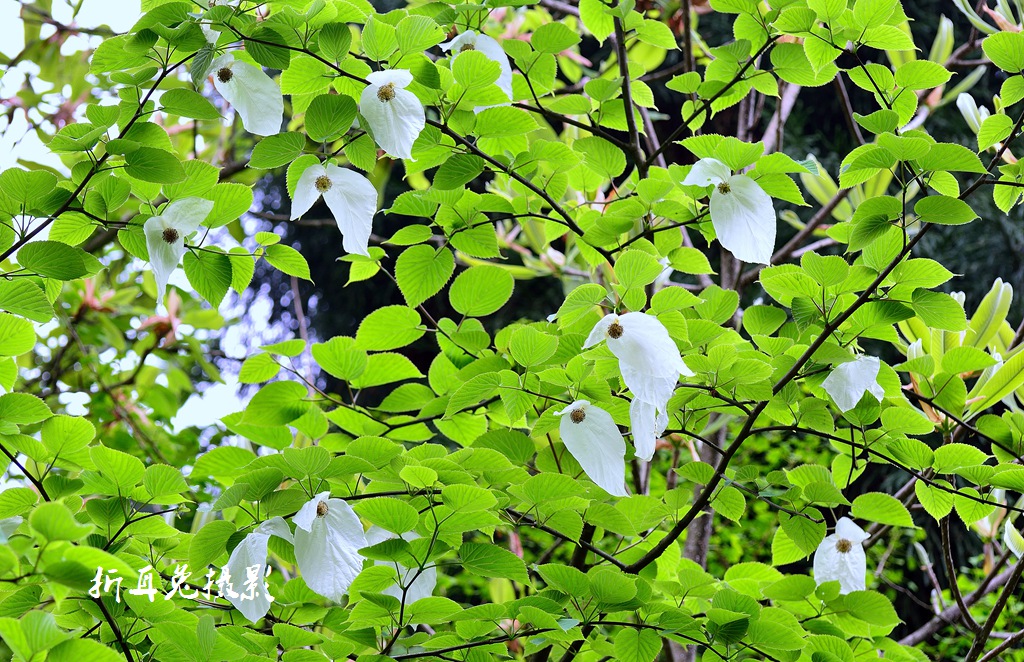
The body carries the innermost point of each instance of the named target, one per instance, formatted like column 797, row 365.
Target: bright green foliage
column 441, row 425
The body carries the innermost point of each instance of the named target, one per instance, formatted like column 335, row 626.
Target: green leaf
column 553, row 37
column 386, row 368
column 23, row 409
column 209, row 543
column 262, row 49
column 881, row 508
column 1006, row 50
column 329, row 116
column 482, row 290
column 995, row 129
column 871, row 607
column 22, row 297
column 154, row 165
column 944, row 210
column 16, row 501
column 209, row 273
column 637, row 645
column 334, row 40
column 530, row 347
column 54, row 521
column 187, row 103
column 871, row 13
column 458, row 171
column 278, row 150
column 938, row 503
column 956, row 158
column 17, row 335
column 503, row 121
column 123, row 470
column 163, row 480
column 389, row 327
column 287, row 260
column 53, row 260
column 230, row 200
column 488, row 560
column 472, row 69
column 939, row 310
column 277, row 403
column 921, row 75
column 389, row 513
column 418, row 33
column 421, row 272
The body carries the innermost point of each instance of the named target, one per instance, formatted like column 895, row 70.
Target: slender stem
column 951, row 574
column 117, row 631
column 639, row 158
column 981, row 638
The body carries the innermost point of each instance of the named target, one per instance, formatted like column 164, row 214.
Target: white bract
column 491, row 49
column 741, row 211
column 328, row 537
column 848, row 382
column 418, row 584
column 840, row 557
column 395, row 115
column 351, row 198
column 1013, row 540
column 165, row 237
column 972, row 113
column 650, row 365
column 594, row 440
column 253, row 94
column 249, row 553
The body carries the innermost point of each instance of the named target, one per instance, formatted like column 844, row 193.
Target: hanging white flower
column 328, row 537
column 165, row 237
column 491, row 49
column 646, row 422
column 395, row 115
column 594, row 440
column 972, row 113
column 250, row 553
column 418, row 584
column 253, row 94
column 8, row 526
column 1013, row 540
column 841, row 557
column 848, row 382
column 650, row 365
column 741, row 211
column 351, row 198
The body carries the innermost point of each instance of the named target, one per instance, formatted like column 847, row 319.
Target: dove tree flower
column 253, row 94
column 650, row 365
column 249, row 554
column 973, row 114
column 491, row 49
column 165, row 237
column 418, row 583
column 351, row 198
column 741, row 212
column 594, row 440
column 396, row 117
column 1013, row 540
column 848, row 382
column 328, row 537
column 840, row 557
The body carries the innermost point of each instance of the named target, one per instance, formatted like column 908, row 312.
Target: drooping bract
column 328, row 537
column 395, row 115
column 165, row 237
column 840, row 557
column 351, row 198
column 594, row 440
